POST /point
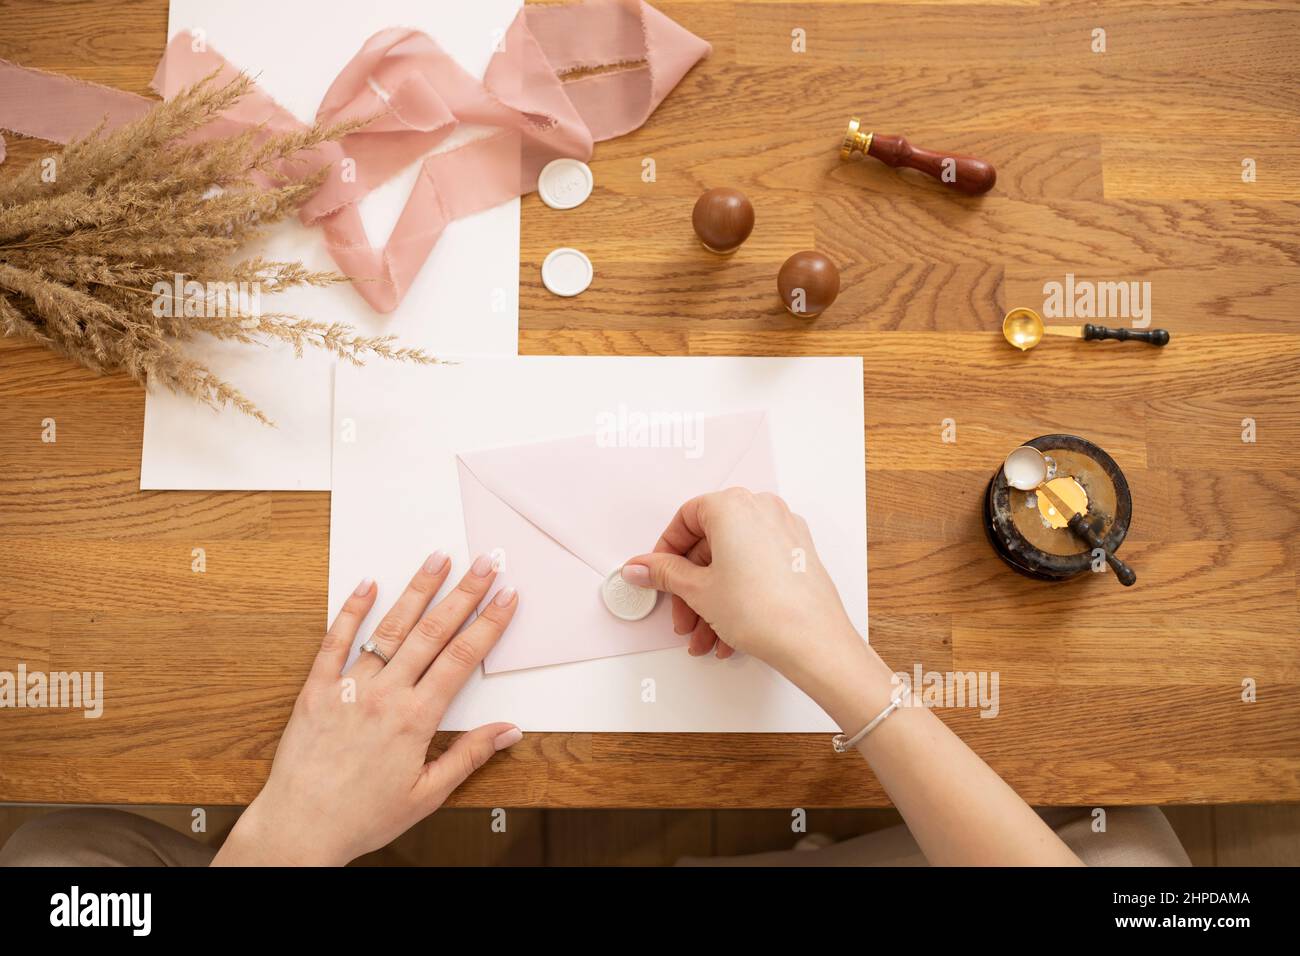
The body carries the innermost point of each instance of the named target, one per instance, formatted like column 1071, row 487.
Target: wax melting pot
column 723, row 219
column 963, row 173
column 808, row 283
column 1026, row 516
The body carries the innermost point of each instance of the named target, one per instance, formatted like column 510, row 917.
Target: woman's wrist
column 846, row 678
column 257, row 840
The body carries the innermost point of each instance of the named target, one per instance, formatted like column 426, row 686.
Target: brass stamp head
column 854, row 140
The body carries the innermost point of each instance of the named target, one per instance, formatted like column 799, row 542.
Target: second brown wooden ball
column 808, row 283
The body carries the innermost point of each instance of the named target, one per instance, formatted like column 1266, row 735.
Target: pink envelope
column 562, row 514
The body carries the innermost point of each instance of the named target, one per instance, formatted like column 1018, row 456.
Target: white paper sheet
column 465, row 299
column 396, row 498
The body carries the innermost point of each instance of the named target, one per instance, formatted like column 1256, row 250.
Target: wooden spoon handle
column 1150, row 336
column 964, row 173
column 1079, row 525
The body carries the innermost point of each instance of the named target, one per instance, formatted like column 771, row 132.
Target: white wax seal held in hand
column 627, row 601
column 565, row 183
column 567, row 271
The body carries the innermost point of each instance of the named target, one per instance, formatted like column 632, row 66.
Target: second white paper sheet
column 465, row 299
column 396, row 498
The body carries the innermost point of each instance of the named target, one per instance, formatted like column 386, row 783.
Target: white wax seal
column 565, row 183
column 567, row 271
column 627, row 601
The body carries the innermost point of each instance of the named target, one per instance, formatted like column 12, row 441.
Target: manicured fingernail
column 504, row 597
column 508, row 739
column 434, row 562
column 637, row 574
column 364, row 587
column 482, row 566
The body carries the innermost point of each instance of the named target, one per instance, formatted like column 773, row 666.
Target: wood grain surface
column 1117, row 166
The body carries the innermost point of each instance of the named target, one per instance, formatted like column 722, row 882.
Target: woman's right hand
column 744, row 574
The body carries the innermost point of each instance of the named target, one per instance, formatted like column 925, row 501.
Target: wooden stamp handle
column 1079, row 525
column 1150, row 336
column 964, row 173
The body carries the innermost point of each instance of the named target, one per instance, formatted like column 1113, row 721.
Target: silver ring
column 373, row 648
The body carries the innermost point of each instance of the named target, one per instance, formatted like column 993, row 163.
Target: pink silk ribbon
column 412, row 95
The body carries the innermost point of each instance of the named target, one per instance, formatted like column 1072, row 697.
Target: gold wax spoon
column 1024, row 329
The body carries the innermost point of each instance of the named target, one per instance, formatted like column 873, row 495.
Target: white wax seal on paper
column 565, row 183
column 627, row 601
column 567, row 271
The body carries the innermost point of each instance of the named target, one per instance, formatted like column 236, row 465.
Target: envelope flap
column 609, row 495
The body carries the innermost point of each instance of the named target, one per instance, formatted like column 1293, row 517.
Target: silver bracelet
column 841, row 744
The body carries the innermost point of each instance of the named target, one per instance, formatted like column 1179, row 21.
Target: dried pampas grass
column 81, row 254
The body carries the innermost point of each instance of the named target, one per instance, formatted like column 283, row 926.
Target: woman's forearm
column 725, row 558
column 957, row 808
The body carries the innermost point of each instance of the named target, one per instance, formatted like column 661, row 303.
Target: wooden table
column 1117, row 166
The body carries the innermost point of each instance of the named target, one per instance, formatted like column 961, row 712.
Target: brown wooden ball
column 723, row 219
column 813, row 273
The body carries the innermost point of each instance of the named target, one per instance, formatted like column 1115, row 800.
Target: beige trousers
column 96, row 837
column 1134, row 836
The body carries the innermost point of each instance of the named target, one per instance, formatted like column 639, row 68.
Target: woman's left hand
column 351, row 772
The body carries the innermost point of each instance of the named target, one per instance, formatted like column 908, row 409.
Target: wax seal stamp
column 963, row 173
column 625, row 601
